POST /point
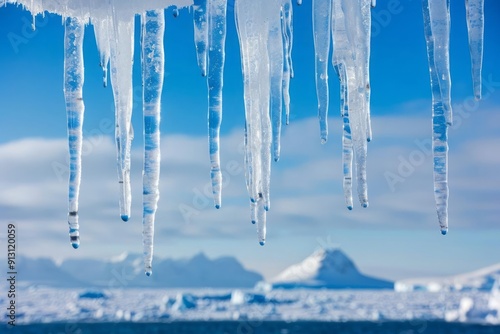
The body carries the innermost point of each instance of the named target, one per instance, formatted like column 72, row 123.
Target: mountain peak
column 327, row 268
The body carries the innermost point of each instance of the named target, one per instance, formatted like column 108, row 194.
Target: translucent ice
column 475, row 26
column 73, row 95
column 122, row 55
column 437, row 34
column 258, row 25
column 322, row 10
column 216, row 55
column 351, row 35
column 153, row 63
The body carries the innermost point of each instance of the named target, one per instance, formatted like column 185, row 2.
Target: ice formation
column 437, row 34
column 73, row 86
column 265, row 33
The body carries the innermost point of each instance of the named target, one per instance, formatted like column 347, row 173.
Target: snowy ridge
column 327, row 268
column 482, row 280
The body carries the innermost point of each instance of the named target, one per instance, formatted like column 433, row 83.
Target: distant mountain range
column 327, row 268
column 482, row 279
column 126, row 271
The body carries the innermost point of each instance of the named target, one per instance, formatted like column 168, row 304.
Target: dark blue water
column 255, row 327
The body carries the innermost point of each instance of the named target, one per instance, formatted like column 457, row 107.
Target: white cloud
column 307, row 198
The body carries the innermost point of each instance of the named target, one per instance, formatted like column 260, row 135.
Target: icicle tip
column 349, row 207
column 262, row 243
column 444, row 231
column 253, row 222
column 149, row 272
column 364, row 205
column 217, row 206
column 125, row 218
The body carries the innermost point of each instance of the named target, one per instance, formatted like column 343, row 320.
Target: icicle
column 153, row 64
column 261, row 222
column 475, row 27
column 299, row 2
column 437, row 33
column 351, row 40
column 201, row 33
column 73, row 86
column 102, row 29
column 374, row 3
column 32, row 16
column 175, row 12
column 346, row 136
column 287, row 29
column 321, row 28
column 276, row 58
column 364, row 54
column 216, row 54
column 254, row 21
column 122, row 55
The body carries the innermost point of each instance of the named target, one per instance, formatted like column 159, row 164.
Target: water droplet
column 125, row 218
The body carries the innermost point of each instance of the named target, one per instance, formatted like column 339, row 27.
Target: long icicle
column 153, row 64
column 349, row 34
column 256, row 63
column 201, row 33
column 122, row 55
column 475, row 27
column 287, row 27
column 73, row 87
column 341, row 49
column 216, row 54
column 437, row 32
column 322, row 10
column 277, row 76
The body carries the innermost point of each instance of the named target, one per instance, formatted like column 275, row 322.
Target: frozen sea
column 78, row 311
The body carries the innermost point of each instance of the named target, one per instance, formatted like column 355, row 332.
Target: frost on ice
column 265, row 33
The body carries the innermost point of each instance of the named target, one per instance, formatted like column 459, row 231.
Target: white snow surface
column 37, row 305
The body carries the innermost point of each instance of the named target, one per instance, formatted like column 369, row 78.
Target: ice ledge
column 96, row 9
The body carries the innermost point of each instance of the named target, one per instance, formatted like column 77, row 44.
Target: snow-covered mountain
column 482, row 279
column 327, row 268
column 126, row 271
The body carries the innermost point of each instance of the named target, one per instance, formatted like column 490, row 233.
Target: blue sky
column 398, row 236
